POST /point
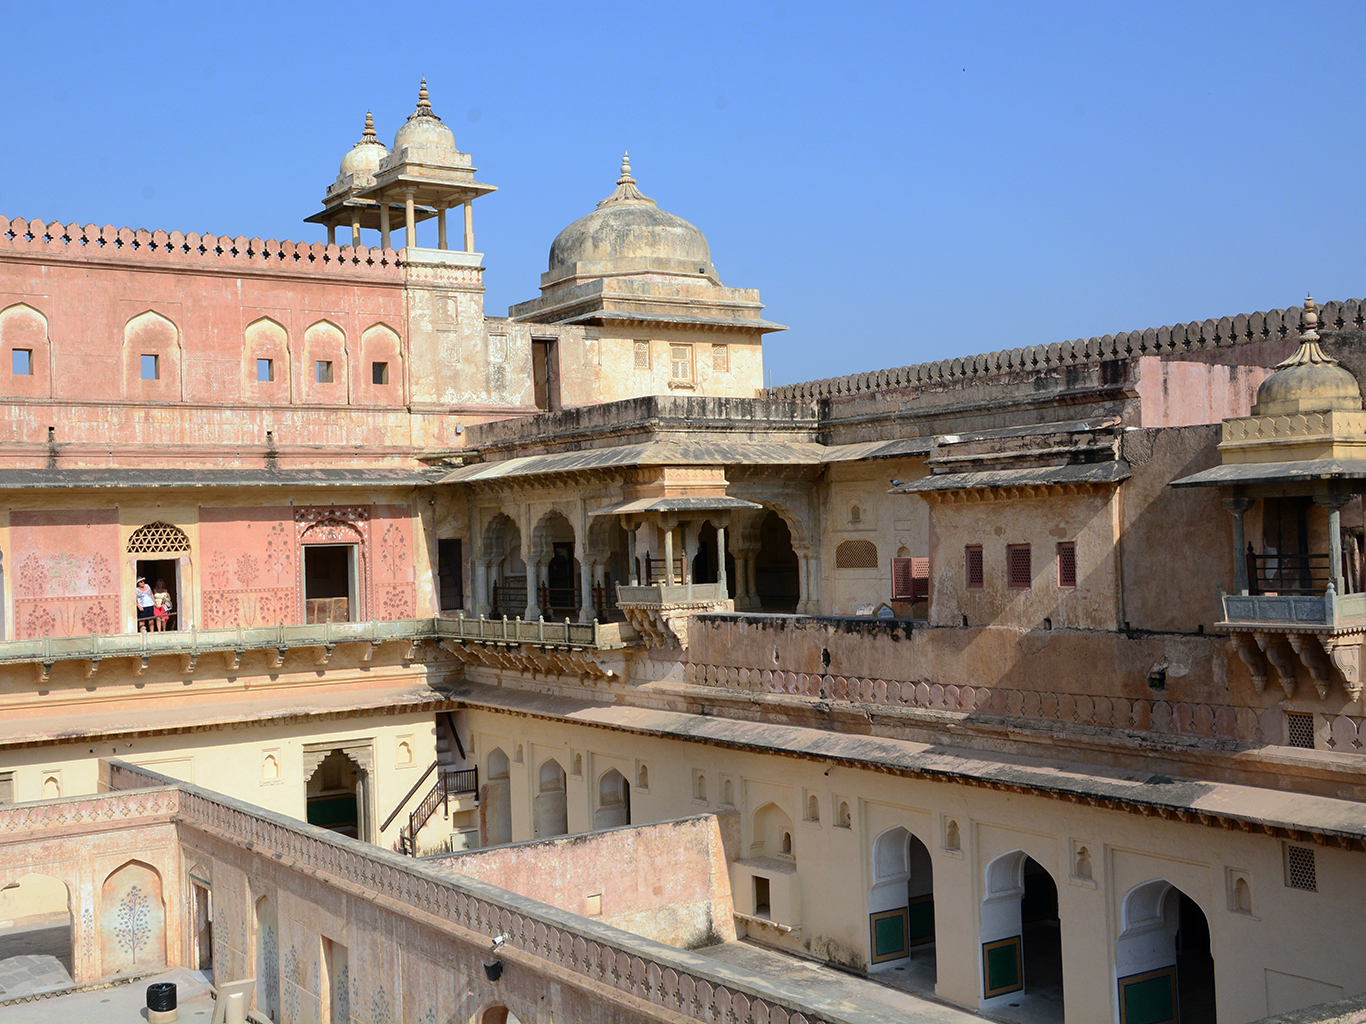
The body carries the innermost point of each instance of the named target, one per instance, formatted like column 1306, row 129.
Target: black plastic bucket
column 161, row 996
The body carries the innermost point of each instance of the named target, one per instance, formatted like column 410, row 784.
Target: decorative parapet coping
column 36, row 238
column 101, row 811
column 191, row 644
column 680, row 983
column 1196, row 336
column 1312, row 425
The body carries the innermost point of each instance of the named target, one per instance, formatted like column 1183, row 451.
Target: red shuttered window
column 1067, row 564
column 1019, row 573
column 972, row 564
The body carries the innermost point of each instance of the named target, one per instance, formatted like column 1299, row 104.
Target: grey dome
column 627, row 225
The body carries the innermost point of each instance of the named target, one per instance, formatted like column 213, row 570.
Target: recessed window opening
column 972, row 566
column 1299, row 729
column 1067, row 564
column 379, row 373
column 720, row 359
column 786, row 846
column 151, row 367
column 762, row 901
column 324, row 371
column 1300, row 869
column 265, row 371
column 329, row 583
column 813, row 808
column 642, row 355
column 23, row 362
column 1019, row 573
column 680, row 362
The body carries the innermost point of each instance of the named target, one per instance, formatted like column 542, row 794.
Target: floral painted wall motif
column 132, row 920
column 66, row 580
column 395, row 580
column 248, row 557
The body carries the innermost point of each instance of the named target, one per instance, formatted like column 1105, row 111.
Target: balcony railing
column 678, row 593
column 1287, row 611
column 1287, row 574
column 192, row 643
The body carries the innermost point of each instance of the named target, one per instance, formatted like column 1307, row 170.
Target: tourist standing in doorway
column 161, row 605
column 145, row 602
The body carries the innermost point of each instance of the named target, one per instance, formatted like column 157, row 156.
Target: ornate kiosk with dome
column 1292, row 476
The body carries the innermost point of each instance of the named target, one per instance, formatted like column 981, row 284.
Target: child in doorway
column 161, row 605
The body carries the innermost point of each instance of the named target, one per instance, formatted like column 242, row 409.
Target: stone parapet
column 212, row 253
column 1196, row 336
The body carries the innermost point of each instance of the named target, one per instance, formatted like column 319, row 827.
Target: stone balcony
column 547, row 645
column 660, row 611
column 1322, row 632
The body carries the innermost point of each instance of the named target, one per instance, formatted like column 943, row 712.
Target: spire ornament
column 626, row 190
column 1309, row 353
column 369, row 137
column 424, row 105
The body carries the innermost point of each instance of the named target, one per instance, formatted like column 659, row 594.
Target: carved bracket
column 92, row 666
column 188, row 662
column 1280, row 655
column 234, row 659
column 1311, row 655
column 1346, row 655
column 322, row 655
column 1246, row 648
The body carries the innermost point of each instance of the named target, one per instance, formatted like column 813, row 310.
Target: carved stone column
column 1238, row 506
column 1333, row 503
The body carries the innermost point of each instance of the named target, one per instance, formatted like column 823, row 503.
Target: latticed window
column 1299, row 729
column 680, row 362
column 1067, row 564
column 158, row 539
column 642, row 354
column 1300, row 870
column 720, row 359
column 903, row 585
column 856, row 554
column 1019, row 573
column 972, row 566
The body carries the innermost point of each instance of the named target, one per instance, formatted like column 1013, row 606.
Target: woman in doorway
column 161, row 605
column 145, row 601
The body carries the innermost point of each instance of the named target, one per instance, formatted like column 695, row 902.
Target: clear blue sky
column 901, row 181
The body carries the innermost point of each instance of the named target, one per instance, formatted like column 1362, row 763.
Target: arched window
column 856, row 554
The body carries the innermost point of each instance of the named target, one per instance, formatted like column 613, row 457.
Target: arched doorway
column 555, row 564
column 705, row 566
column 36, row 910
column 497, row 802
column 614, row 801
column 336, row 798
column 1163, row 958
column 550, row 810
column 160, row 554
column 496, row 1015
column 1021, row 935
column 901, row 910
column 776, row 578
column 500, row 584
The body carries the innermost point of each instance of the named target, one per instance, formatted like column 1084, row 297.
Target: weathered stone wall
column 668, row 881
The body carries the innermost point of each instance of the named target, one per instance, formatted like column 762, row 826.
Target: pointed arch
column 152, row 357
column 1164, row 951
column 380, row 374
column 496, row 805
column 266, row 339
column 25, row 352
column 772, row 832
column 614, row 800
column 267, row 958
column 325, row 345
column 132, row 919
column 550, row 810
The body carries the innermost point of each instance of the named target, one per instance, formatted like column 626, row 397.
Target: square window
column 324, row 371
column 151, row 370
column 265, row 371
column 972, row 564
column 720, row 359
column 1019, row 574
column 1299, row 729
column 379, row 373
column 23, row 362
column 680, row 362
column 642, row 355
column 1067, row 564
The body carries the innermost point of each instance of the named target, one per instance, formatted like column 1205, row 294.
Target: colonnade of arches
column 561, row 571
column 1164, row 965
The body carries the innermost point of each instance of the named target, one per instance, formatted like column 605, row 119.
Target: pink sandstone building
column 1026, row 681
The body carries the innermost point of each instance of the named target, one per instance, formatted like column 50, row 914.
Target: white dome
column 363, row 158
column 423, row 129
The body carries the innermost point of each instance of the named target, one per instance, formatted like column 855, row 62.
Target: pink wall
column 248, row 561
column 66, row 573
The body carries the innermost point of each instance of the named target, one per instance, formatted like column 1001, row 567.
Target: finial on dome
column 422, row 100
column 369, row 134
column 626, row 186
column 1309, row 351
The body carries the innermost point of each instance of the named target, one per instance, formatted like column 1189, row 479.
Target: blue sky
column 901, row 182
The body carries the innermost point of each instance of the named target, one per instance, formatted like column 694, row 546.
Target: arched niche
column 25, row 352
column 267, row 959
column 152, row 357
column 380, row 375
column 266, row 362
column 772, row 833
column 550, row 812
column 324, row 373
column 132, row 920
column 496, row 805
column 614, row 800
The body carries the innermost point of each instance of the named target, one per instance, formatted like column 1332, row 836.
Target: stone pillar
column 469, row 225
column 1333, row 503
column 481, row 588
column 355, row 229
column 534, row 571
column 331, row 234
column 721, row 558
column 384, row 223
column 585, row 591
column 669, row 556
column 409, row 219
column 632, row 573
column 1237, row 507
column 441, row 227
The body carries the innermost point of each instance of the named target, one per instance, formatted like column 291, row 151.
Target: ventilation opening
column 1300, row 871
column 1299, row 729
